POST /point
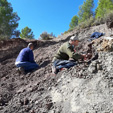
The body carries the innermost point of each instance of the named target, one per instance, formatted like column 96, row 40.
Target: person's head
column 30, row 45
column 74, row 40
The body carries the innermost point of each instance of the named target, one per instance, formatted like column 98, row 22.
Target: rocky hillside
column 80, row 89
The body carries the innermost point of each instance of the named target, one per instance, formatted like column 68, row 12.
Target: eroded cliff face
column 80, row 89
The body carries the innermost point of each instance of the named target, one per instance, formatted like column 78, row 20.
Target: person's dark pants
column 28, row 66
column 59, row 64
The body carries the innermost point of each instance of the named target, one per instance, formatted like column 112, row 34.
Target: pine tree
column 104, row 6
column 74, row 22
column 86, row 10
column 26, row 33
column 8, row 19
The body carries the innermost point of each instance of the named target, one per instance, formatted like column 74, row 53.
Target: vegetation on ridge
column 87, row 17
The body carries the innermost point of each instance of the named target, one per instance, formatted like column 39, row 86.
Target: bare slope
column 80, row 89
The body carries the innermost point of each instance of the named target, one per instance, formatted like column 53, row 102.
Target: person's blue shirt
column 25, row 55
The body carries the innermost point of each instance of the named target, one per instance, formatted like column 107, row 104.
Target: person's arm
column 72, row 55
column 77, row 56
column 31, row 57
column 69, row 52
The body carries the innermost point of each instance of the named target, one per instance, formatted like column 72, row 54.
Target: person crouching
column 25, row 60
column 66, row 56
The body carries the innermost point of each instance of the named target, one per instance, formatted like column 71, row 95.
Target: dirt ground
column 19, row 93
column 31, row 93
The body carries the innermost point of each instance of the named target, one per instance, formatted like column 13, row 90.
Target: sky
column 46, row 15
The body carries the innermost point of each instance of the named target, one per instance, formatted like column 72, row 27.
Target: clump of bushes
column 109, row 19
column 108, row 16
column 47, row 36
column 98, row 21
column 86, row 23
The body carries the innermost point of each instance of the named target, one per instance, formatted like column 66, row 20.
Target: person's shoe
column 89, row 62
column 54, row 70
column 21, row 69
column 63, row 69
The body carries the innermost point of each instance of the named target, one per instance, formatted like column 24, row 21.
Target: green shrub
column 44, row 36
column 108, row 16
column 86, row 23
column 47, row 36
column 98, row 21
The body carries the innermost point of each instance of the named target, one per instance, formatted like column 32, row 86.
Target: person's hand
column 35, row 60
column 89, row 56
column 84, row 56
column 71, row 59
column 74, row 50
